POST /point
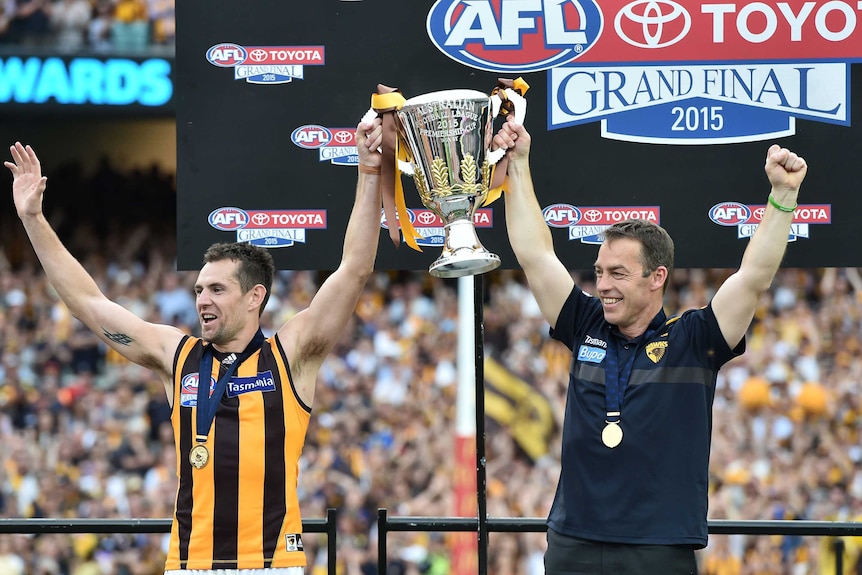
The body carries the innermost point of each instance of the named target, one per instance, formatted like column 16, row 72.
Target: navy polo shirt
column 652, row 488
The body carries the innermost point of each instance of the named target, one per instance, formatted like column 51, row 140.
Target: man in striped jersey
column 239, row 436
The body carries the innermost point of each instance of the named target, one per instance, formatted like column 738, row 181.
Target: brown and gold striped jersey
column 240, row 510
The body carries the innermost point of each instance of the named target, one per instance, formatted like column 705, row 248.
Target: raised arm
column 146, row 344
column 550, row 281
column 735, row 301
column 312, row 333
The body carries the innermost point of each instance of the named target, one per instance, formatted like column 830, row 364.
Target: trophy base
column 466, row 263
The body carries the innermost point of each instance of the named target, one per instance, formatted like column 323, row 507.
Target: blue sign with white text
column 86, row 81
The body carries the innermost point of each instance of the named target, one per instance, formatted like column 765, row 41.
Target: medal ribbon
column 616, row 379
column 208, row 404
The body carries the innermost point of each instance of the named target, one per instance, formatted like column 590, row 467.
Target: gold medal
column 612, row 434
column 199, row 456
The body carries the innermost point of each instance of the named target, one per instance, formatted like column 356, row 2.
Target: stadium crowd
column 85, row 434
column 67, row 26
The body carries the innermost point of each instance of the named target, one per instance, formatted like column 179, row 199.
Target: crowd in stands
column 84, row 434
column 70, row 26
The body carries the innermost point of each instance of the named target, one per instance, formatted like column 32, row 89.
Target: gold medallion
column 612, row 434
column 199, row 456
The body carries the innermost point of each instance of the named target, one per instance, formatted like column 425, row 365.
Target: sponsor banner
column 430, row 226
column 268, row 228
column 266, row 64
column 587, row 223
column 528, row 36
column 334, row 145
column 660, row 71
column 746, row 218
column 699, row 104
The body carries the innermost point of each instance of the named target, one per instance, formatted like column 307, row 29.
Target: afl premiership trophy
column 446, row 138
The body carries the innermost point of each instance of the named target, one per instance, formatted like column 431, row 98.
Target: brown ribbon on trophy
column 499, row 181
column 386, row 102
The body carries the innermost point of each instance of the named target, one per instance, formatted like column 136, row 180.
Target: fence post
column 838, row 548
column 382, row 531
column 331, row 544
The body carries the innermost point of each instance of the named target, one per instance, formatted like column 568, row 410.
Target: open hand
column 28, row 184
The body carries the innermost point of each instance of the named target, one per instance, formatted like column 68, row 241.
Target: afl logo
column 501, row 36
column 189, row 384
column 729, row 213
column 228, row 219
column 226, row 55
column 385, row 226
column 311, row 137
column 561, row 215
column 652, row 23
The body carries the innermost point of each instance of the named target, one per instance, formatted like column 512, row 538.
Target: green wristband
column 779, row 206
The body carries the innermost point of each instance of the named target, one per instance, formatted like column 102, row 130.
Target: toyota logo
column 260, row 219
column 426, row 218
column 652, row 23
column 592, row 216
column 343, row 136
column 257, row 55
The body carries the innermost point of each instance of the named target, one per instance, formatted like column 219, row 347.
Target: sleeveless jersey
column 241, row 510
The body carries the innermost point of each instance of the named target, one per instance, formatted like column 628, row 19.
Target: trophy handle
column 520, row 105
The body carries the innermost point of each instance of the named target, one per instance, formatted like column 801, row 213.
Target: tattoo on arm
column 119, row 338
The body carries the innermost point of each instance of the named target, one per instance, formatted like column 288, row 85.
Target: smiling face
column 630, row 299
column 222, row 307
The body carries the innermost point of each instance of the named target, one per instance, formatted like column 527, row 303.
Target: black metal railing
column 387, row 524
column 326, row 525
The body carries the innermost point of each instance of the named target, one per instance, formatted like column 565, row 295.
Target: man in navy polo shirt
column 632, row 494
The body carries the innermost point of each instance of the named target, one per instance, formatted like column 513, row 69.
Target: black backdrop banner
column 636, row 109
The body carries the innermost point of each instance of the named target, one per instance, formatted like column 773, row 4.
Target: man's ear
column 659, row 276
column 256, row 295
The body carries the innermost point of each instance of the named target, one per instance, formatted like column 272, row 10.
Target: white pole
column 465, row 412
column 464, row 546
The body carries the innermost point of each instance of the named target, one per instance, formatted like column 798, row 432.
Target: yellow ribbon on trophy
column 386, row 102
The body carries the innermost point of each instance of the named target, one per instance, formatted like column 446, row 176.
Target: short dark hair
column 255, row 265
column 656, row 244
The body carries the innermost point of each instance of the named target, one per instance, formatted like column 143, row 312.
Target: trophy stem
column 463, row 254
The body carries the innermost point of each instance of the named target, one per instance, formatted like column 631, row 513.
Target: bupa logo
column 311, row 137
column 228, row 219
column 561, row 215
column 226, row 55
column 652, row 23
column 591, row 354
column 508, row 36
column 729, row 213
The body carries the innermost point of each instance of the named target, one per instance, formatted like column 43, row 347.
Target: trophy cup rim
column 442, row 95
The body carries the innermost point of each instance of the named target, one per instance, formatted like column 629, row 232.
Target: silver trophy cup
column 448, row 137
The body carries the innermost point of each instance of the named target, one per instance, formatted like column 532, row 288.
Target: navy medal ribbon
column 207, row 404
